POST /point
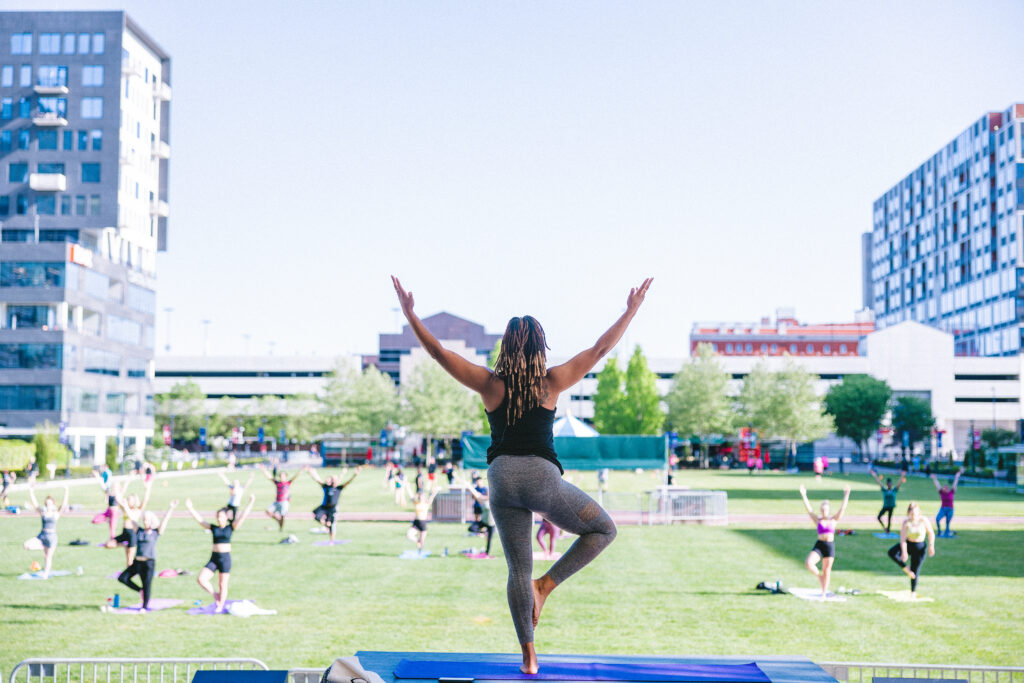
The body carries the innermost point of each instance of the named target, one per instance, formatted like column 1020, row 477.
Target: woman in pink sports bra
column 824, row 550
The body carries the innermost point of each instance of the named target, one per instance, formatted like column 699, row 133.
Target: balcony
column 48, row 119
column 50, row 89
column 159, row 208
column 48, row 182
column 161, row 150
column 162, row 91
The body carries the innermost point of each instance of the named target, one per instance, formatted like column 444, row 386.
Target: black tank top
column 530, row 435
column 221, row 534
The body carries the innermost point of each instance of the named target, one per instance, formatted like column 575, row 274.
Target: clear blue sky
column 540, row 157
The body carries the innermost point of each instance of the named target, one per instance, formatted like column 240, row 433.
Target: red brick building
column 786, row 335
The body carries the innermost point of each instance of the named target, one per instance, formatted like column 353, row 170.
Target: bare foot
column 530, row 665
column 542, row 587
column 906, row 570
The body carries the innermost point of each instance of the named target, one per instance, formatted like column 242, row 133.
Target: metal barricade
column 667, row 505
column 624, row 508
column 455, row 505
column 854, row 672
column 123, row 669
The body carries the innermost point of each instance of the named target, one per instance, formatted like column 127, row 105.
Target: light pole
column 168, row 310
column 993, row 408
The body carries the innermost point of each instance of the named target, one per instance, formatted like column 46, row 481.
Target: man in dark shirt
column 332, row 487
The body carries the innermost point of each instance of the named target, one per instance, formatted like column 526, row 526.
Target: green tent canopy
column 594, row 453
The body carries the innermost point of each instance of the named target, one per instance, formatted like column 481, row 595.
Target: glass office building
column 84, row 150
column 945, row 249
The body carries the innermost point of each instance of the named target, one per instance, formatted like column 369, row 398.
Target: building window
column 23, row 138
column 18, row 235
column 7, row 76
column 90, row 173
column 842, row 348
column 80, row 205
column 31, row 274
column 46, row 139
column 21, row 205
column 100, row 362
column 53, row 105
column 83, row 141
column 5, row 205
column 29, row 317
column 53, row 76
column 99, row 41
column 21, row 43
column 26, row 76
column 810, row 348
column 792, row 349
column 30, row 397
column 83, row 43
column 94, row 205
column 92, row 76
column 7, row 109
column 775, row 348
column 69, row 43
column 97, row 139
column 749, row 348
column 30, row 356
column 50, row 168
column 65, row 205
column 49, row 43
column 136, row 367
column 92, row 107
column 17, row 173
column 826, row 349
column 46, row 205
column 728, row 348
column 69, row 140
column 24, row 108
column 115, row 403
column 90, row 403
column 124, row 330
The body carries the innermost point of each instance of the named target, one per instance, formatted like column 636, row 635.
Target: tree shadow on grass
column 972, row 553
column 56, row 607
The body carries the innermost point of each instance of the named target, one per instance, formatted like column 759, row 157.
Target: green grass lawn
column 657, row 590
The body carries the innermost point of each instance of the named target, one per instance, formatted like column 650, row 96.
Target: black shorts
column 825, row 548
column 325, row 513
column 220, row 562
column 477, row 509
column 419, row 524
column 128, row 537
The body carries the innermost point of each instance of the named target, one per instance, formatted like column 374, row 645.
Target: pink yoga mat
column 154, row 605
column 538, row 556
column 477, row 556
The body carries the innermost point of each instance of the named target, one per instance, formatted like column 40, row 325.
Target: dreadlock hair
column 522, row 365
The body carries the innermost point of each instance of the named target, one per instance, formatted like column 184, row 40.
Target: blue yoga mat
column 553, row 669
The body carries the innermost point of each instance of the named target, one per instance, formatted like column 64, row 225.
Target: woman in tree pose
column 524, row 474
column 144, row 565
column 236, row 492
column 105, row 478
column 824, row 550
column 220, row 559
column 917, row 539
column 49, row 513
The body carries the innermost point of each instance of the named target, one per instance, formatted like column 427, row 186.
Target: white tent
column 572, row 426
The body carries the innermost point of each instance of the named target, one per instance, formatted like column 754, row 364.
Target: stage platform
column 504, row 667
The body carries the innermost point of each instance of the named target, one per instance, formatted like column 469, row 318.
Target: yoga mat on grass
column 338, row 542
column 476, row 556
column 553, row 668
column 414, row 555
column 39, row 576
column 155, row 604
column 882, row 534
column 237, row 608
column 903, row 596
column 814, row 595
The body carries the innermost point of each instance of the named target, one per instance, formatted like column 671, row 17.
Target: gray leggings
column 521, row 485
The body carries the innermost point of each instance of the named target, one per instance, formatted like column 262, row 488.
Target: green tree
column 373, row 402
column 642, row 405
column 48, row 448
column 800, row 417
column 912, row 416
column 186, row 402
column 435, row 405
column 758, row 403
column 303, row 419
column 335, row 400
column 857, row 405
column 698, row 402
column 997, row 437
column 610, row 399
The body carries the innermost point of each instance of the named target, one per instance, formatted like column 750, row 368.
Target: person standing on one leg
column 220, row 558
column 49, row 513
column 946, row 495
column 282, row 494
column 236, row 492
column 524, row 474
column 889, row 493
column 327, row 510
column 917, row 540
column 824, row 550
column 144, row 565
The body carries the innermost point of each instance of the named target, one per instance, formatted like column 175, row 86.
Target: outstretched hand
column 637, row 294
column 405, row 299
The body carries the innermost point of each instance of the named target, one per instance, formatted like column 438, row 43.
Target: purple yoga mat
column 339, row 542
column 209, row 610
column 553, row 669
column 154, row 605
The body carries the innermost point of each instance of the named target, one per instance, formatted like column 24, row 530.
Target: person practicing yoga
column 133, row 509
column 946, row 495
column 552, row 532
column 332, row 488
column 8, row 481
column 917, row 540
column 824, row 550
column 421, row 504
column 236, row 492
column 889, row 493
column 524, row 475
column 484, row 523
column 220, row 558
column 49, row 513
column 144, row 564
column 278, row 510
column 105, row 478
column 401, row 486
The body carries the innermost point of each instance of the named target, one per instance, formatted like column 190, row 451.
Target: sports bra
column 221, row 534
column 826, row 526
column 916, row 532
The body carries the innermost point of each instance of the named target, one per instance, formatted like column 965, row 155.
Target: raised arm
column 297, row 475
column 145, row 496
column 314, row 475
column 352, row 478
column 846, row 501
column 249, row 480
column 245, row 513
column 474, row 376
column 807, row 503
column 64, row 503
column 956, row 477
column 167, row 517
column 563, row 376
column 195, row 515
column 32, row 497
column 874, row 475
column 935, row 480
column 267, row 474
column 903, row 479
column 222, row 478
